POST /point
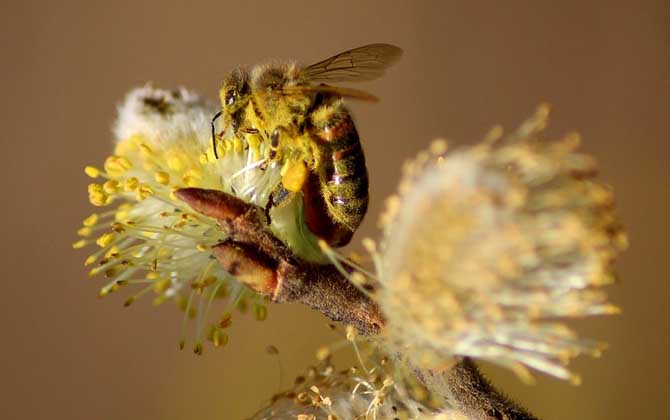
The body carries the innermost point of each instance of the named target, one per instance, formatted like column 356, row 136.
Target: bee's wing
column 336, row 90
column 363, row 63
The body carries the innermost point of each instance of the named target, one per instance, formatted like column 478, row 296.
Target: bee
column 310, row 131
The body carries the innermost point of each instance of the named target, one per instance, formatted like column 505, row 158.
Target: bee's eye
column 230, row 97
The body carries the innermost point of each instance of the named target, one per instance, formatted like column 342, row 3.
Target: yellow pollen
column 202, row 248
column 92, row 171
column 91, row 220
column 79, row 244
column 104, row 240
column 162, row 177
column 90, row 260
column 237, row 145
column 295, row 176
column 254, row 146
column 203, row 159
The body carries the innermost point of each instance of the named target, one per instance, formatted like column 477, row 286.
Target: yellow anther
column 351, row 333
column 149, row 166
column 124, row 162
column 79, row 244
column 91, row 220
column 162, row 177
column 370, row 245
column 152, row 275
column 159, row 300
column 97, row 196
column 226, row 320
column 111, row 186
column 175, row 163
column 104, row 240
column 93, row 188
column 92, row 171
column 85, row 231
column 131, row 184
column 90, row 260
column 145, row 150
column 194, row 173
column 143, row 192
column 219, row 338
column 575, row 380
column 162, row 285
column 202, row 248
column 121, row 215
column 260, row 312
column 173, row 194
column 117, row 165
column 112, row 252
column 438, row 147
column 322, row 353
column 190, row 181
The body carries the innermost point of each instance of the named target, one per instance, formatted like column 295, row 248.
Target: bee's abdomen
column 343, row 179
column 345, row 183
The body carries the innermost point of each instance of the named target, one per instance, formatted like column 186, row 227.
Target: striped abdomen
column 336, row 198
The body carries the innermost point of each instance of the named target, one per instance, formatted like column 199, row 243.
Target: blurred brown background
column 468, row 65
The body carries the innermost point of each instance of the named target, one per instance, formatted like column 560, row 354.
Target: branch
column 256, row 258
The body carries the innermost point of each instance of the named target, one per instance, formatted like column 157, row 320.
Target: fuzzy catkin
column 486, row 248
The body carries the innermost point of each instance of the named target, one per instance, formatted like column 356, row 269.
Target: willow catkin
column 487, row 248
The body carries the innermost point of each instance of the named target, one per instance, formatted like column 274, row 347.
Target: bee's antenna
column 216, row 116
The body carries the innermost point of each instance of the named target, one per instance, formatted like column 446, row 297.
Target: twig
column 255, row 257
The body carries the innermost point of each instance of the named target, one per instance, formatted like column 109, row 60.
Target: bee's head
column 235, row 91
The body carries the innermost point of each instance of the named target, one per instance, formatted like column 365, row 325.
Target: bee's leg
column 275, row 142
column 278, row 195
column 216, row 116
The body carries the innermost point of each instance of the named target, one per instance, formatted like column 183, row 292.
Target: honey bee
column 310, row 131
